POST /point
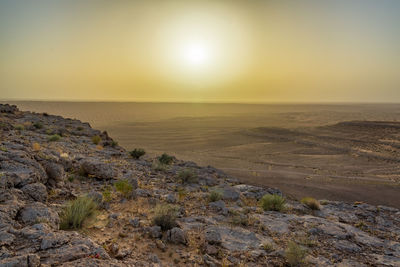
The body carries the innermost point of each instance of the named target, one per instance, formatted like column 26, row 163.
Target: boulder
column 38, row 212
column 36, row 191
column 177, row 236
column 98, row 169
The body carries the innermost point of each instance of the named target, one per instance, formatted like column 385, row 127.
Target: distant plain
column 348, row 152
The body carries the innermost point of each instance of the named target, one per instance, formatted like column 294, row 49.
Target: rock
column 177, row 236
column 55, row 172
column 229, row 193
column 235, row 239
column 155, row 231
column 219, row 206
column 347, row 246
column 38, row 212
column 135, row 222
column 37, row 191
column 97, row 197
column 29, row 260
column 98, row 169
column 6, row 108
column 212, row 236
column 170, row 198
column 142, row 192
column 161, row 245
column 6, row 238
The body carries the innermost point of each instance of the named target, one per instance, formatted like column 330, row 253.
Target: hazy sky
column 235, row 51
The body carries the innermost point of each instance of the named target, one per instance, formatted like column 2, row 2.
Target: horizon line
column 209, row 101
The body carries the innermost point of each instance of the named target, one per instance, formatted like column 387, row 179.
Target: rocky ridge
column 46, row 161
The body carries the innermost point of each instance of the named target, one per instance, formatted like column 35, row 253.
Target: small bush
column 158, row 166
column 36, row 146
column 181, row 193
column 54, row 138
column 124, row 187
column 114, row 143
column 76, row 212
column 273, row 202
column 240, row 219
column 19, row 127
column 38, row 125
column 215, row 196
column 187, row 176
column 107, row 193
column 310, row 202
column 166, row 159
column 137, row 153
column 165, row 216
column 294, row 254
column 268, row 247
column 96, row 139
column 79, row 128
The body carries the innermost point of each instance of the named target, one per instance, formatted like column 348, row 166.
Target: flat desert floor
column 348, row 152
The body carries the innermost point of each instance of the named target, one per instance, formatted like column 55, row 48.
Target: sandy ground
column 336, row 152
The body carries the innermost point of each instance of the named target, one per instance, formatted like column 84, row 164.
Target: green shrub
column 79, row 128
column 166, row 159
column 310, row 202
column 38, row 125
column 137, row 153
column 124, row 187
column 96, row 139
column 114, row 143
column 107, row 193
column 54, row 138
column 158, row 166
column 215, row 195
column 19, row 127
column 268, row 247
column 187, row 176
column 294, row 254
column 76, row 212
column 165, row 216
column 273, row 202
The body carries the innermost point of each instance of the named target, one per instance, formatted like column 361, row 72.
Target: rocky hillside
column 162, row 212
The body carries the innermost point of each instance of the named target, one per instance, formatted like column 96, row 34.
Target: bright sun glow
column 196, row 54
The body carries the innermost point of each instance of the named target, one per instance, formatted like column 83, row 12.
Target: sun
column 196, row 54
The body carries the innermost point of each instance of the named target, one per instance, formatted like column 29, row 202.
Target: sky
column 200, row 51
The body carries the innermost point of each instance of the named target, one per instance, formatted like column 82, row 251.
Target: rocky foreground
column 47, row 161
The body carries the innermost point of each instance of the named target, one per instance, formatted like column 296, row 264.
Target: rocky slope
column 46, row 161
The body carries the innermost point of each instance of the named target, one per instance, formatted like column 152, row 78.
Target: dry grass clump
column 137, row 153
column 215, row 195
column 96, row 139
column 165, row 216
column 273, row 202
column 107, row 193
column 54, row 138
column 310, row 202
column 76, row 212
column 187, row 176
column 158, row 166
column 36, row 147
column 166, row 159
column 124, row 187
column 294, row 254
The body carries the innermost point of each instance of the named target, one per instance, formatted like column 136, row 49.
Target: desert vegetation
column 96, row 139
column 187, row 176
column 273, row 202
column 310, row 202
column 76, row 212
column 124, row 187
column 165, row 216
column 137, row 153
column 54, row 138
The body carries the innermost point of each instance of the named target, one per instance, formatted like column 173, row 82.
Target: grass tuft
column 294, row 254
column 124, row 187
column 273, row 202
column 54, row 138
column 166, row 159
column 310, row 202
column 215, row 195
column 96, row 139
column 165, row 216
column 187, row 176
column 137, row 153
column 76, row 212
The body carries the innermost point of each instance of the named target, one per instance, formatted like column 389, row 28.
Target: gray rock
column 6, row 238
column 98, row 169
column 170, row 198
column 29, row 260
column 38, row 212
column 219, row 206
column 212, row 236
column 155, row 231
column 347, row 246
column 37, row 191
column 55, row 172
column 177, row 236
column 97, row 197
column 135, row 222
